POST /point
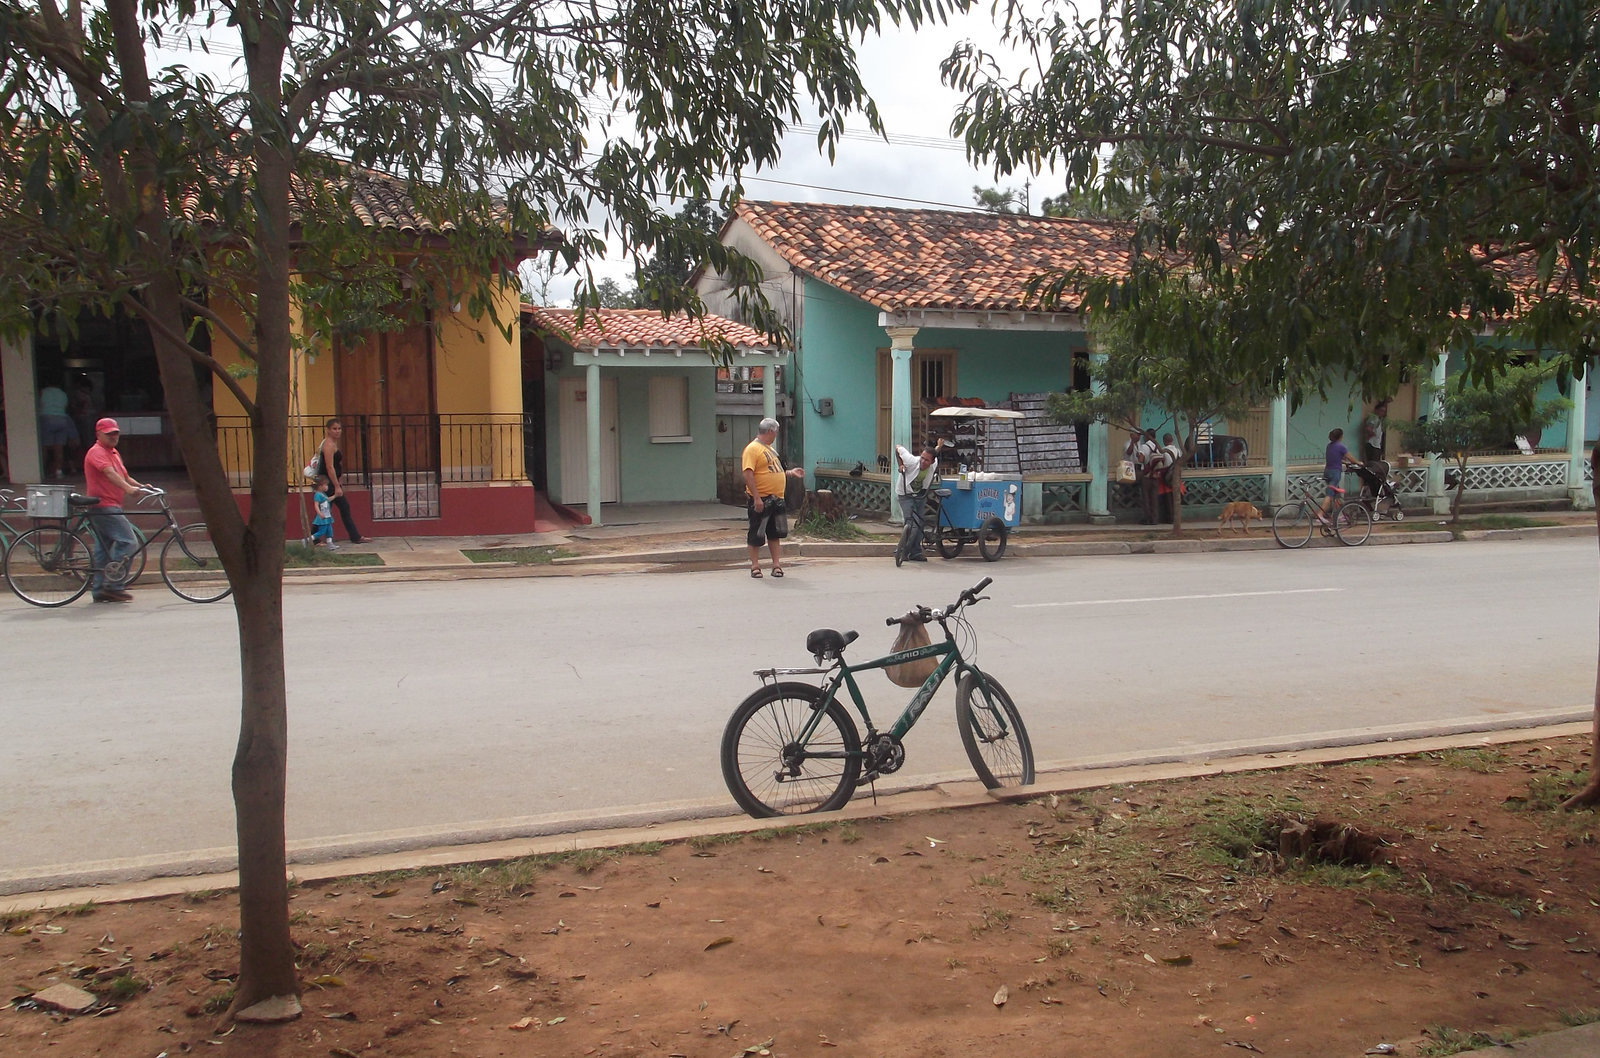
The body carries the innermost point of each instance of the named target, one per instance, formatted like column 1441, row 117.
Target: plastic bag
column 1125, row 473
column 913, row 634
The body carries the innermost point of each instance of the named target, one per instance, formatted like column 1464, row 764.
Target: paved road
column 500, row 706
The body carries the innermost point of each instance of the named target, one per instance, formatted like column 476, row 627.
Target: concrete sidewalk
column 712, row 534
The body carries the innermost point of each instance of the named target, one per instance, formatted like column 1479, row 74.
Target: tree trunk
column 1590, row 794
column 1461, row 487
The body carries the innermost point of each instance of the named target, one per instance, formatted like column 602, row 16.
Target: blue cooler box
column 983, row 497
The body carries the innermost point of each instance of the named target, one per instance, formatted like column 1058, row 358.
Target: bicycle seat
column 83, row 501
column 826, row 644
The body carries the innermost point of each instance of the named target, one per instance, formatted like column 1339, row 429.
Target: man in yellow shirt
column 764, row 486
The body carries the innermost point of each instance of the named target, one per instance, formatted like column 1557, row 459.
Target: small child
column 322, row 524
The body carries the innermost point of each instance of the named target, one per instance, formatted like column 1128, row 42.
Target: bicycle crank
column 882, row 756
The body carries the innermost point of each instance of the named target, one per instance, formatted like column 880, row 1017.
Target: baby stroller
column 1377, row 491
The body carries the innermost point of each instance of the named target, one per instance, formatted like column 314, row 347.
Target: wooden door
column 384, row 388
column 575, row 441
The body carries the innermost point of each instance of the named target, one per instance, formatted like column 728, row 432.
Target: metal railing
column 403, row 459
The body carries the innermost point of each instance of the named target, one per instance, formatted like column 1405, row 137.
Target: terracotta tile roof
column 642, row 329
column 377, row 200
column 898, row 259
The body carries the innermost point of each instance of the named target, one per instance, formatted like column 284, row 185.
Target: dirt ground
column 1169, row 918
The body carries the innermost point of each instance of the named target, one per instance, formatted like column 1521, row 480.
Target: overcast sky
column 901, row 72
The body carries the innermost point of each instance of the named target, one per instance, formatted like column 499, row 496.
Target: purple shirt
column 1336, row 453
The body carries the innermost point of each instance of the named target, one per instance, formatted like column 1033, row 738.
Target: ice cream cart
column 973, row 505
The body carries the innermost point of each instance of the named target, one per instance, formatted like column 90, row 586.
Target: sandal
column 777, row 571
column 755, row 574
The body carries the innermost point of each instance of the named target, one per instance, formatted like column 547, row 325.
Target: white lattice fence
column 1215, row 491
column 1488, row 477
column 857, row 494
column 1064, row 500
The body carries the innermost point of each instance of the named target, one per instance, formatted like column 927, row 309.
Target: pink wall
column 464, row 510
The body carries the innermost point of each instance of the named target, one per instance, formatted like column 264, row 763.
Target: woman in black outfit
column 333, row 467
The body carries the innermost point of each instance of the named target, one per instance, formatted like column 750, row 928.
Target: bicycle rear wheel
column 766, row 768
column 948, row 540
column 191, row 568
column 1353, row 524
column 1291, row 524
column 49, row 566
column 992, row 732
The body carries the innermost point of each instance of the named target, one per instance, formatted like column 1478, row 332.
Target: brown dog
column 1240, row 513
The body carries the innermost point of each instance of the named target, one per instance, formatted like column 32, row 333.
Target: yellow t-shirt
column 768, row 469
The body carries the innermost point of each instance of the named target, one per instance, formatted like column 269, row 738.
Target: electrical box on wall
column 824, row 405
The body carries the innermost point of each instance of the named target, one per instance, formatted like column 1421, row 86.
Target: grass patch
column 88, row 907
column 1504, row 521
column 220, row 1002
column 13, row 919
column 794, row 831
column 1547, row 791
column 126, row 986
column 521, row 556
column 1446, row 1040
column 1484, row 761
column 819, row 526
column 1581, row 1016
column 299, row 556
column 707, row 841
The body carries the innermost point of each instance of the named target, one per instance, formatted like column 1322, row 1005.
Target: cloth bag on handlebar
column 913, row 634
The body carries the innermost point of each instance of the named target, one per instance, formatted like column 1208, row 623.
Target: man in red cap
column 114, row 542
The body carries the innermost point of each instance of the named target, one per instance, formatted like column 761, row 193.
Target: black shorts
column 769, row 523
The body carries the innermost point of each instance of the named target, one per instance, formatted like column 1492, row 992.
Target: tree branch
column 138, row 308
column 200, row 308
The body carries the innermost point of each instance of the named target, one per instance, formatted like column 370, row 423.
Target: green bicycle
column 791, row 747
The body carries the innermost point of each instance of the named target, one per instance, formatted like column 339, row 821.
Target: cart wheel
column 948, row 541
column 992, row 540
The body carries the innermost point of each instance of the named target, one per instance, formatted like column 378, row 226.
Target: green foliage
column 816, row 525
column 997, row 200
column 1472, row 417
column 522, row 556
column 1367, row 183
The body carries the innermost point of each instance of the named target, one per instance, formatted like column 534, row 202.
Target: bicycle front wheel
column 49, row 566
column 191, row 568
column 1353, row 524
column 767, row 767
column 992, row 732
column 1291, row 524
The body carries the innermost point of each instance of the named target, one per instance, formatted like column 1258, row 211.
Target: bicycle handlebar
column 967, row 597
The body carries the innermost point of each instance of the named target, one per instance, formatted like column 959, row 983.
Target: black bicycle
column 51, row 565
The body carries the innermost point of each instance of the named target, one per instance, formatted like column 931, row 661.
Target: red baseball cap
column 107, row 426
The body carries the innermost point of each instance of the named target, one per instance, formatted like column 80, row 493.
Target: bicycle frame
column 843, row 674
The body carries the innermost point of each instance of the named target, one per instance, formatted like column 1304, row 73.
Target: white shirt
column 911, row 478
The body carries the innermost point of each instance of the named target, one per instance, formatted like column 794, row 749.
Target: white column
column 22, row 410
column 591, row 406
column 1437, row 501
column 900, row 349
column 1278, row 451
column 1098, row 499
column 1577, row 456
